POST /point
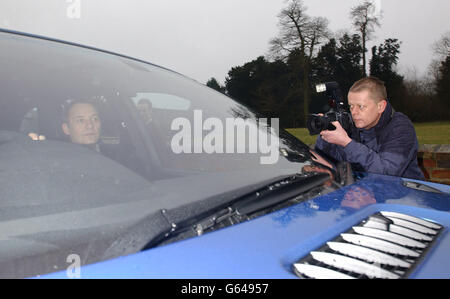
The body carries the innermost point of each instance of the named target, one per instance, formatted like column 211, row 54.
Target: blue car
column 112, row 167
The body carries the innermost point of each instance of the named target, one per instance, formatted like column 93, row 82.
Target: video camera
column 317, row 123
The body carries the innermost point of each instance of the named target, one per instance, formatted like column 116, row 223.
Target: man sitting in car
column 81, row 123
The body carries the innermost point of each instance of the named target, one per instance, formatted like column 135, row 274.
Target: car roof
column 86, row 47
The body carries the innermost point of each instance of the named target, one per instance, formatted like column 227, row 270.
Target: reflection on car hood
column 267, row 247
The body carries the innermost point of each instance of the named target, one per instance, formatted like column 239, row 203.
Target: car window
column 186, row 130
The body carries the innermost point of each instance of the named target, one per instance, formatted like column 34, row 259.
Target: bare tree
column 365, row 20
column 298, row 31
column 302, row 34
column 441, row 48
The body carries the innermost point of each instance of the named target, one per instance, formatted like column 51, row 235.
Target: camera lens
column 317, row 124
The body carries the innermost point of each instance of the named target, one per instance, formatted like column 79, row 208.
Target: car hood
column 267, row 247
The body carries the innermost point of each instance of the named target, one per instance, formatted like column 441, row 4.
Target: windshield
column 90, row 140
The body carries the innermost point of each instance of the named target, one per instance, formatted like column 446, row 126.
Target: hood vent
column 386, row 245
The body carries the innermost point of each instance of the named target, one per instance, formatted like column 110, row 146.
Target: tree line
column 305, row 53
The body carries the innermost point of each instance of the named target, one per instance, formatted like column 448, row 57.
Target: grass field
column 433, row 133
column 427, row 133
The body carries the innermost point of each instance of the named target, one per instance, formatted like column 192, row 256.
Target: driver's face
column 83, row 125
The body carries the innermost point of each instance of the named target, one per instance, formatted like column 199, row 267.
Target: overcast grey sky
column 205, row 38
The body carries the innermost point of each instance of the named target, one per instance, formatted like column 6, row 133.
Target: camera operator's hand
column 319, row 159
column 338, row 136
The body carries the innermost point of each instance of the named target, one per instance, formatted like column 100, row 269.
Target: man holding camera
column 381, row 141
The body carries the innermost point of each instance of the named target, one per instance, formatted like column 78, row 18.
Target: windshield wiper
column 421, row 187
column 244, row 206
column 278, row 192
